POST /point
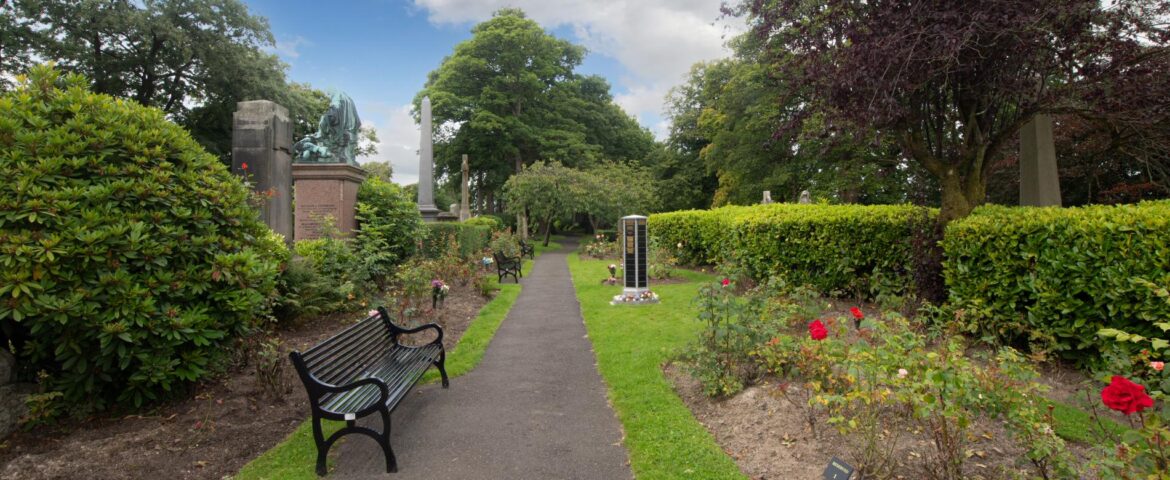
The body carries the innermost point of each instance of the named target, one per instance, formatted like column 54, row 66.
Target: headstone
column 1039, row 179
column 426, row 165
column 767, row 197
column 635, row 289
column 261, row 143
column 324, row 191
column 452, row 215
column 805, row 197
column 465, row 201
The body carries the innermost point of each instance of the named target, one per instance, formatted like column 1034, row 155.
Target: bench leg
column 391, row 461
column 322, row 447
column 441, row 365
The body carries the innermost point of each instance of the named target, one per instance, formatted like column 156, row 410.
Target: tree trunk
column 522, row 217
column 547, row 230
column 959, row 197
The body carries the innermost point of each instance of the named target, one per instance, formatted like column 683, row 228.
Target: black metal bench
column 527, row 249
column 361, row 371
column 508, row 266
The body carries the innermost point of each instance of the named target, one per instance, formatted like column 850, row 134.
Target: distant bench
column 361, row 371
column 509, row 266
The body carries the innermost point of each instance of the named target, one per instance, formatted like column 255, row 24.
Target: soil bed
column 222, row 425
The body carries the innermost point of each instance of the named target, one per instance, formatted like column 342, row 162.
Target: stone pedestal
column 261, row 142
column 325, row 190
column 1039, row 179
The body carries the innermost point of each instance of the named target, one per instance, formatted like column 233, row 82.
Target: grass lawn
column 295, row 456
column 632, row 342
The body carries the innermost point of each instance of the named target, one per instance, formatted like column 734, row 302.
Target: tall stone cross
column 426, row 166
column 465, row 202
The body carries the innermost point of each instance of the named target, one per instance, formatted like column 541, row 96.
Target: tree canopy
column 951, row 83
column 509, row 97
column 193, row 59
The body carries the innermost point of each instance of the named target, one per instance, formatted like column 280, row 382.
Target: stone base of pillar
column 323, row 191
column 430, row 213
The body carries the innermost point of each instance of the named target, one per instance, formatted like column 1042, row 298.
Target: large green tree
column 724, row 121
column 509, row 96
column 951, row 83
column 193, row 59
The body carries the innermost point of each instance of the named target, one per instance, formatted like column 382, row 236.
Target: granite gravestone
column 261, row 143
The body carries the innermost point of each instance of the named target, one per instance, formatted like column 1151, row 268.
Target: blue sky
column 380, row 51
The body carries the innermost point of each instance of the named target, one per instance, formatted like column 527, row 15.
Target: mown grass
column 294, row 458
column 632, row 343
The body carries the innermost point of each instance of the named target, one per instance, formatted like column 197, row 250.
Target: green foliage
column 513, row 92
column 505, row 244
column 131, row 258
column 490, row 221
column 340, row 267
column 835, row 248
column 389, row 227
column 301, row 291
column 1055, row 277
column 464, row 239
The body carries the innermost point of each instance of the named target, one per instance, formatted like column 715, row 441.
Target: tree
column 725, row 118
column 951, row 83
column 380, row 170
column 546, row 191
column 611, row 190
column 509, row 97
column 193, row 59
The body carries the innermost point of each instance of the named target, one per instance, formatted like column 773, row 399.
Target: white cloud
column 398, row 138
column 287, row 48
column 657, row 41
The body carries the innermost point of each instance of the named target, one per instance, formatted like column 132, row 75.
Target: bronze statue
column 336, row 136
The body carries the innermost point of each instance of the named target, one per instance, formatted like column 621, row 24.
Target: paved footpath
column 534, row 408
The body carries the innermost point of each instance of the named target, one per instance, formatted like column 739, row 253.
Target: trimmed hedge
column 469, row 239
column 489, row 221
column 832, row 247
column 1055, row 276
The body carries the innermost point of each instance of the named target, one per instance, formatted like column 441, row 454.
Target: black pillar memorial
column 633, row 239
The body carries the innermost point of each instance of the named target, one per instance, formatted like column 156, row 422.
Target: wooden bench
column 508, row 266
column 361, row 371
column 527, row 249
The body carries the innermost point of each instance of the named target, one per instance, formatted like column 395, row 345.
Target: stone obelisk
column 426, row 166
column 1039, row 176
column 465, row 202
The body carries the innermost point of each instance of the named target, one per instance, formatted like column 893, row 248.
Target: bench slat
column 396, row 370
column 340, row 363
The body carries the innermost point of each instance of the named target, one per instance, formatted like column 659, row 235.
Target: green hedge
column 1057, row 275
column 469, row 239
column 832, row 247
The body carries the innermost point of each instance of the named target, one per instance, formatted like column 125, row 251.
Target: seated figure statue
column 336, row 136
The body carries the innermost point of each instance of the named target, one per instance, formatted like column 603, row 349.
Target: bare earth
column 212, row 433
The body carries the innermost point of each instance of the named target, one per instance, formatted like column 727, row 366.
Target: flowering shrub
column 600, row 247
column 130, row 258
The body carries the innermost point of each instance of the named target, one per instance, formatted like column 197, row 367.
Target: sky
column 380, row 51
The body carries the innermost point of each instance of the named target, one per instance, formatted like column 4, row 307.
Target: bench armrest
column 438, row 329
column 395, row 330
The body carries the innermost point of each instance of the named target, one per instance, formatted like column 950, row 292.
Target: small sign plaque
column 838, row 470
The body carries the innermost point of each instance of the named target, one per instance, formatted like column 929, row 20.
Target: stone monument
column 767, row 197
column 1039, row 179
column 261, row 146
column 325, row 172
column 465, row 200
column 426, row 165
column 636, row 289
column 805, row 197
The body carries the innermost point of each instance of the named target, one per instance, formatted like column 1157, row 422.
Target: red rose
column 857, row 313
column 817, row 330
column 726, row 281
column 1125, row 396
column 244, row 165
